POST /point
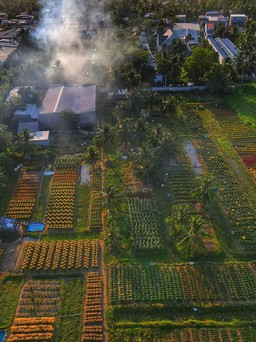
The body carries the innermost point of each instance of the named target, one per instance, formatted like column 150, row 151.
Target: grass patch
column 243, row 101
column 83, row 202
column 69, row 323
column 10, row 288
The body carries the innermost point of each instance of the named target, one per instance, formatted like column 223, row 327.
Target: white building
column 80, row 99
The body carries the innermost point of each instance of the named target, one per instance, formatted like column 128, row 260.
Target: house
column 31, row 126
column 184, row 30
column 5, row 52
column 30, row 112
column 181, row 18
column 224, row 47
column 40, row 138
column 8, row 227
column 80, row 99
column 237, row 20
column 166, row 39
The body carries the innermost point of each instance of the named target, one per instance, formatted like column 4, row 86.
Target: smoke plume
column 69, row 31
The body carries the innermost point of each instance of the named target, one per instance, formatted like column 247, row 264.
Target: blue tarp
column 2, row 336
column 35, row 227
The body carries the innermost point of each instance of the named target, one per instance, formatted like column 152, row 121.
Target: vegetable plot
column 39, row 298
column 182, row 283
column 144, row 221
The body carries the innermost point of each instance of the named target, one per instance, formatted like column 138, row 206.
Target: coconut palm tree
column 146, row 162
column 170, row 106
column 178, row 219
column 112, row 237
column 205, row 192
column 104, row 139
column 91, row 156
column 110, row 197
column 191, row 241
column 23, row 142
column 57, row 72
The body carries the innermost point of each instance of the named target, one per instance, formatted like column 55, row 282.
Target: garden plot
column 24, row 198
column 39, row 298
column 93, row 319
column 237, row 208
column 32, row 329
column 61, row 203
column 183, row 284
column 242, row 136
column 144, row 222
column 61, row 256
column 184, row 335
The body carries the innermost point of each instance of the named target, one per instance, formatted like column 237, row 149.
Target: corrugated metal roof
column 80, row 99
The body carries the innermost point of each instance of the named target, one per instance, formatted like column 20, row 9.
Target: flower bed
column 182, row 283
column 23, row 200
column 60, row 207
column 32, row 329
column 93, row 310
column 39, row 298
column 61, row 256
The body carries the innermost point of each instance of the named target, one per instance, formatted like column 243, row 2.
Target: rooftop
column 224, row 47
column 5, row 52
column 30, row 110
column 32, row 126
column 80, row 99
column 7, row 223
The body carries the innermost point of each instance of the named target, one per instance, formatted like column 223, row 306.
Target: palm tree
column 91, row 156
column 125, row 131
column 170, row 106
column 191, row 242
column 110, row 196
column 140, row 131
column 23, row 142
column 113, row 240
column 205, row 192
column 178, row 219
column 104, row 139
column 57, row 72
column 146, row 163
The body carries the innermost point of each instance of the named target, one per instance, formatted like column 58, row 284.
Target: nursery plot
column 242, row 136
column 32, row 329
column 93, row 308
column 233, row 200
column 182, row 283
column 95, row 201
column 39, row 298
column 144, row 221
column 60, row 207
column 182, row 182
column 23, row 200
column 184, row 335
column 61, row 256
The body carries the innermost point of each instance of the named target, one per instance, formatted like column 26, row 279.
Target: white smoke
column 63, row 31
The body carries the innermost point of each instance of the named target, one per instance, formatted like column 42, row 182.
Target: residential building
column 224, row 47
column 237, row 20
column 40, row 138
column 30, row 112
column 187, row 30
